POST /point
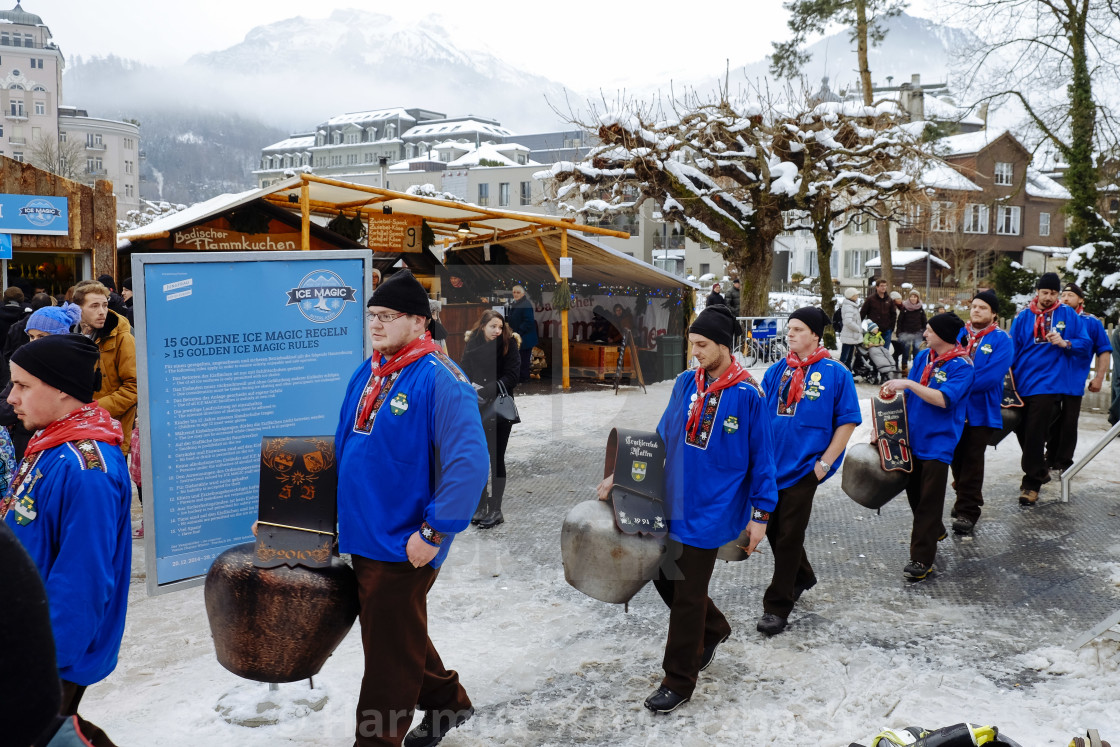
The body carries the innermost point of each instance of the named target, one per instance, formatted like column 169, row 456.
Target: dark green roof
column 19, row 15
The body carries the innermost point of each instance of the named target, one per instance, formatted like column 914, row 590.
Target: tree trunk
column 1081, row 179
column 868, row 99
column 824, row 263
column 755, row 258
column 885, row 253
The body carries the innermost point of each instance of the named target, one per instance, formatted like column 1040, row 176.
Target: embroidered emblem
column 986, row 348
column 638, row 471
column 451, row 366
column 90, row 454
column 730, row 424
column 707, row 421
column 431, row 535
column 941, row 377
column 1060, row 326
column 20, row 485
column 399, row 404
column 25, row 510
column 891, row 427
column 816, row 376
column 381, row 396
column 783, row 394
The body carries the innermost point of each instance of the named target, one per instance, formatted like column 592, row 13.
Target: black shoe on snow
column 962, row 525
column 491, row 519
column 480, row 514
column 665, row 701
column 434, row 727
column 800, row 589
column 710, row 653
column 770, row 624
column 915, row 571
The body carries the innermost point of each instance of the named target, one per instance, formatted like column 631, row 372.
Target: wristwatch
column 824, row 464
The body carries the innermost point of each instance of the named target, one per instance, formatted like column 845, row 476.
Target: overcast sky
column 672, row 38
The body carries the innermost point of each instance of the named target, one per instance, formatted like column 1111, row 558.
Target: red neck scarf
column 1040, row 317
column 933, row 360
column 732, row 376
column 797, row 383
column 974, row 336
column 87, row 422
column 410, row 353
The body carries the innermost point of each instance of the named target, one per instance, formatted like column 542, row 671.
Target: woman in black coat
column 492, row 356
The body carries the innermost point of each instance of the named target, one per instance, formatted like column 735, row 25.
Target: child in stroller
column 872, row 362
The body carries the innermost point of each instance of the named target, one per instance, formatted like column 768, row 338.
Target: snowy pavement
column 987, row 640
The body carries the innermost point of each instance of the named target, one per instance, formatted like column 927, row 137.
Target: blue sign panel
column 233, row 351
column 46, row 216
column 5, row 246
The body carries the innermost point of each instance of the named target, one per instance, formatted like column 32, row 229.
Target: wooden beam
column 548, row 261
column 567, row 382
column 305, row 215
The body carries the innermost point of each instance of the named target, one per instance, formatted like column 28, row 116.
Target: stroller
column 873, row 364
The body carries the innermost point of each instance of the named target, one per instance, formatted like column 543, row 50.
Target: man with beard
column 879, row 308
column 719, row 478
column 936, row 393
column 991, row 351
column 1049, row 337
column 812, row 405
column 1063, row 434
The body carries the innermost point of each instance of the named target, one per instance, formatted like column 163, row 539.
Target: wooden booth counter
column 597, row 360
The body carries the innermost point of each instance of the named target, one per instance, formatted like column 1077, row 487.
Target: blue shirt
column 421, row 459
column 1042, row 368
column 990, row 361
column 802, row 434
column 935, row 431
column 711, row 485
column 1098, row 342
column 72, row 514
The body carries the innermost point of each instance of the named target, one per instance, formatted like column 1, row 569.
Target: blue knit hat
column 54, row 320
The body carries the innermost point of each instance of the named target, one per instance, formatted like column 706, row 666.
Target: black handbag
column 502, row 406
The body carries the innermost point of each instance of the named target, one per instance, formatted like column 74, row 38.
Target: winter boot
column 483, row 507
column 494, row 516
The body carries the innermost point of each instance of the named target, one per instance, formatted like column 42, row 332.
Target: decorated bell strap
column 637, row 460
column 298, row 502
column 892, row 431
column 1011, row 396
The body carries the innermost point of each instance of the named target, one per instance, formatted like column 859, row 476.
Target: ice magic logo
column 40, row 213
column 321, row 296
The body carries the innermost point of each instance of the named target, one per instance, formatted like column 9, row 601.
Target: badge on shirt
column 399, row 404
column 941, row 377
column 1060, row 326
column 813, row 391
column 815, row 376
column 731, row 424
column 986, row 347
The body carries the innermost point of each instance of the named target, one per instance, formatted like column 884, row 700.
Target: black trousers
column 497, row 433
column 926, row 493
column 1063, row 433
column 968, row 471
column 786, row 534
column 1038, row 415
column 694, row 619
column 403, row 670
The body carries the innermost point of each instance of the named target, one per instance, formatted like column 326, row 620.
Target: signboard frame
column 19, row 214
column 145, row 334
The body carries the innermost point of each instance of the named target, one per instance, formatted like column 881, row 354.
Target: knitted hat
column 813, row 318
column 402, row 292
column 1049, row 281
column 717, row 323
column 107, row 281
column 54, row 320
column 1074, row 288
column 66, row 362
column 127, row 283
column 988, row 296
column 947, row 326
column 851, row 293
column 896, row 296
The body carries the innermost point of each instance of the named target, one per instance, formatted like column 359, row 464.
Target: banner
column 232, row 349
column 204, row 238
column 32, row 214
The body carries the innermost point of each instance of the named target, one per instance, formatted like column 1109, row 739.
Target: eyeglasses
column 384, row 317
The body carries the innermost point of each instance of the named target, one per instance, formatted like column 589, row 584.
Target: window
column 61, row 137
column 1007, row 221
column 128, row 190
column 503, row 194
column 526, row 192
column 128, row 167
column 40, row 107
column 858, row 225
column 942, row 218
column 1044, row 224
column 1004, row 173
column 976, row 218
column 36, row 63
column 705, row 268
column 15, row 107
column 127, row 143
column 483, row 194
column 17, row 156
column 913, row 217
column 36, row 133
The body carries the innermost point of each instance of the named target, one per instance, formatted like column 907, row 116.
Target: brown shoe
column 1028, row 497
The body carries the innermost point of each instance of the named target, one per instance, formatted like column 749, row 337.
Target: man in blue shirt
column 719, row 478
column 68, row 505
column 412, row 462
column 936, row 393
column 990, row 350
column 813, row 409
column 1063, row 434
column 1048, row 338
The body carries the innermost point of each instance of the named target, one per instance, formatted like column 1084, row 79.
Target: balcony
column 16, row 116
column 95, row 146
column 668, row 242
column 96, row 172
column 9, row 42
column 17, row 140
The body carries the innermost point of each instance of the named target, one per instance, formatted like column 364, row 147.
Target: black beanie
column 107, row 281
column 1074, row 288
column 1049, row 281
column 402, row 292
column 947, row 326
column 66, row 362
column 989, row 297
column 127, row 283
column 813, row 318
column 717, row 323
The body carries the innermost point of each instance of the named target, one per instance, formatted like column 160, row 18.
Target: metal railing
column 1098, row 447
column 762, row 341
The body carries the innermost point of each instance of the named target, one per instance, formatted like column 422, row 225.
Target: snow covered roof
column 446, row 129
column 969, row 142
column 372, row 115
column 490, row 152
column 301, row 142
column 196, row 212
column 939, row 175
column 903, row 257
column 946, row 111
column 1040, row 185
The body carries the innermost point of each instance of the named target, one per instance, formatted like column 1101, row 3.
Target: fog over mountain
column 203, row 123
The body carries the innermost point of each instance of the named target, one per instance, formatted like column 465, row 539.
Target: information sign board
column 34, row 214
column 395, row 233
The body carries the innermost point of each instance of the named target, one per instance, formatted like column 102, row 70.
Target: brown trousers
column 968, row 471
column 71, row 697
column 694, row 619
column 926, row 493
column 403, row 671
column 786, row 534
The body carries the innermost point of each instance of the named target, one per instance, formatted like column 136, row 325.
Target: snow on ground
column 546, row 665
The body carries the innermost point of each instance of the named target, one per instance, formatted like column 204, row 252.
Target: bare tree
column 65, row 158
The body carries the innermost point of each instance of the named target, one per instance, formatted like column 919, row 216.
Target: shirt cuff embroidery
column 430, row 535
column 760, row 516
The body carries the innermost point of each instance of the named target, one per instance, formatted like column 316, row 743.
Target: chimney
column 916, row 105
column 984, row 114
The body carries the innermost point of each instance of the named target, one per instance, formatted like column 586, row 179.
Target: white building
column 38, row 129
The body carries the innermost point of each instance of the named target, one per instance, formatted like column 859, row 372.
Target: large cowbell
column 610, row 550
column 875, row 473
column 280, row 606
column 1011, row 410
